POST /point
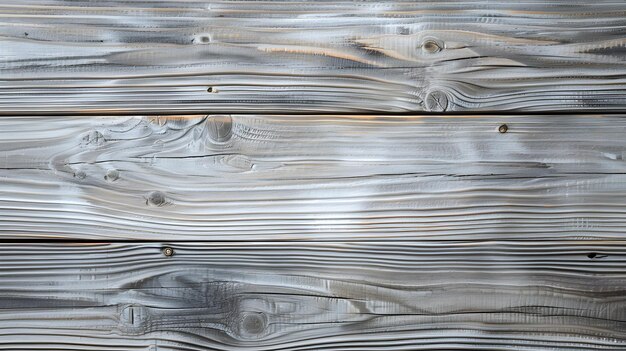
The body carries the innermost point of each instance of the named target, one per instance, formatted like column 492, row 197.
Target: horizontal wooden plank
column 274, row 177
column 441, row 295
column 334, row 56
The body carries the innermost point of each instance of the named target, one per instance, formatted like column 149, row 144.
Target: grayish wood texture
column 439, row 295
column 273, row 177
column 294, row 56
column 415, row 232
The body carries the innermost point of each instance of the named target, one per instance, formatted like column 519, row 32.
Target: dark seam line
column 503, row 113
column 387, row 241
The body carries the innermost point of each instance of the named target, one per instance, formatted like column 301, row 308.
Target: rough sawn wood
column 319, row 177
column 312, row 56
column 439, row 295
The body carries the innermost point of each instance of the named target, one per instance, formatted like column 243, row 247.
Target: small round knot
column 80, row 175
column 112, row 175
column 503, row 128
column 220, row 128
column 93, row 138
column 436, row 101
column 431, row 46
column 202, row 39
column 252, row 324
column 156, row 198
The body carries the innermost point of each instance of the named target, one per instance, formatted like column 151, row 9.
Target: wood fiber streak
column 272, row 177
column 316, row 56
column 439, row 295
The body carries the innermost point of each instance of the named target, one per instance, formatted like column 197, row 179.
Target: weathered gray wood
column 440, row 295
column 335, row 56
column 264, row 177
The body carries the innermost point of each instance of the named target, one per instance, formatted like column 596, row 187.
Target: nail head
column 503, row 128
column 168, row 251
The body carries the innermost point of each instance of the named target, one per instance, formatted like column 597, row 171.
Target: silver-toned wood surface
column 293, row 56
column 438, row 295
column 273, row 177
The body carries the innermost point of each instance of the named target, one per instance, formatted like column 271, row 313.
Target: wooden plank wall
column 312, row 175
column 409, row 295
column 273, row 177
column 311, row 56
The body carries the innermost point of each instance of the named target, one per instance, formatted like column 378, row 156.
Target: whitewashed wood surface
column 277, row 151
column 312, row 56
column 316, row 177
column 439, row 295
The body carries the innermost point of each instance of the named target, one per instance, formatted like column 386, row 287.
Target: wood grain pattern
column 276, row 177
column 440, row 295
column 292, row 56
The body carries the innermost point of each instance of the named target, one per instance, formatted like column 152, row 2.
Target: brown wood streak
column 439, row 295
column 294, row 56
column 317, row 177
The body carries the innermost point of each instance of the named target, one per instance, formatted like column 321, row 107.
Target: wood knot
column 252, row 324
column 112, row 175
column 156, row 198
column 134, row 319
column 431, row 46
column 93, row 138
column 436, row 101
column 219, row 128
column 80, row 175
column 202, row 39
